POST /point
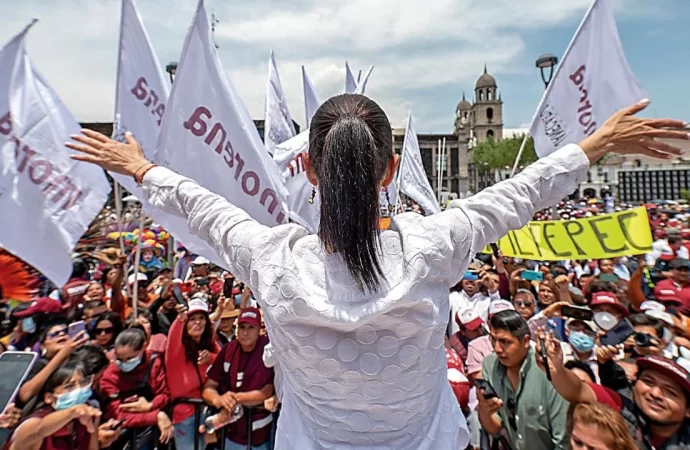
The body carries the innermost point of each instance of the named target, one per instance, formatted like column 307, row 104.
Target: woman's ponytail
column 350, row 146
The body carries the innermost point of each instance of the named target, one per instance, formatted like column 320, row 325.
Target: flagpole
column 402, row 158
column 519, row 155
column 137, row 259
column 438, row 172
column 118, row 213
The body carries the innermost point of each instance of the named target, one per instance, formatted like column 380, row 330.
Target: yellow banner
column 606, row 236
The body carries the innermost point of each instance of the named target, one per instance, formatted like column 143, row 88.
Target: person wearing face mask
column 56, row 347
column 64, row 421
column 191, row 350
column 136, row 386
column 29, row 320
column 582, row 337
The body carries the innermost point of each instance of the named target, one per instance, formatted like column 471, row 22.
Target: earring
column 388, row 199
column 313, row 196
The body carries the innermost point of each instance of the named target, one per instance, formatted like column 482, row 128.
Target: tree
column 501, row 154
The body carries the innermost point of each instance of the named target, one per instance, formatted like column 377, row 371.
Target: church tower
column 486, row 116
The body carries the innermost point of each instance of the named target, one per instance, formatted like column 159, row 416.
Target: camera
column 643, row 340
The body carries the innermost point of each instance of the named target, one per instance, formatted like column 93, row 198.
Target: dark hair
column 53, row 322
column 191, row 347
column 510, row 321
column 131, row 337
column 62, row 375
column 141, row 312
column 350, row 147
column 79, row 268
column 93, row 359
column 674, row 238
column 113, row 318
column 642, row 319
column 583, row 366
column 596, row 285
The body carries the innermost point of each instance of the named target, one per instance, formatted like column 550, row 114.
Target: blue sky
column 426, row 52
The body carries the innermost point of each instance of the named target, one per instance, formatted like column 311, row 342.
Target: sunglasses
column 106, row 330
column 526, row 304
column 56, row 333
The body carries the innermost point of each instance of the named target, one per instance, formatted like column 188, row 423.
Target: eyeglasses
column 511, row 411
column 84, row 382
column 525, row 304
column 56, row 333
column 106, row 330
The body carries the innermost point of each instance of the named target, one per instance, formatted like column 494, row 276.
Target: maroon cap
column 608, row 298
column 668, row 367
column 41, row 305
column 251, row 316
column 668, row 295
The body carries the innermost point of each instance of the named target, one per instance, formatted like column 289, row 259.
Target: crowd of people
column 197, row 338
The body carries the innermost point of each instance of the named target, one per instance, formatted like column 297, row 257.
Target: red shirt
column 683, row 293
column 185, row 379
column 115, row 382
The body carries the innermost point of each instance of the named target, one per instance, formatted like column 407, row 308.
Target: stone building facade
column 474, row 122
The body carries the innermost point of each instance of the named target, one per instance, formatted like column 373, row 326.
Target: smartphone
column 227, row 287
column 485, row 386
column 203, row 281
column 471, row 275
column 532, row 275
column 618, row 334
column 14, row 367
column 545, row 357
column 75, row 328
column 179, row 298
column 577, row 312
column 494, row 249
column 131, row 399
column 609, row 278
column 118, row 425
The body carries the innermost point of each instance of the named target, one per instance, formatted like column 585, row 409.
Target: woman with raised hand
column 357, row 315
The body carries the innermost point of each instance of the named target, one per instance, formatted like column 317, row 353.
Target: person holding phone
column 190, row 351
column 582, row 337
column 527, row 406
column 65, row 421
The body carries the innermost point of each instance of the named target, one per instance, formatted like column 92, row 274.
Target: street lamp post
column 171, row 68
column 545, row 63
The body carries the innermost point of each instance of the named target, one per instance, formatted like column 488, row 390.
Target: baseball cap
column 666, row 296
column 200, row 261
column 469, row 319
column 680, row 263
column 499, row 305
column 40, row 305
column 590, row 323
column 608, row 298
column 137, row 277
column 677, row 369
column 251, row 316
column 652, row 305
column 196, row 304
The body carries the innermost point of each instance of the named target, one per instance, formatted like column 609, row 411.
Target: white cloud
column 417, row 46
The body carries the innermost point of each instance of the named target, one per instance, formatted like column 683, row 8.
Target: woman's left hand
column 181, row 313
column 113, row 156
column 204, row 357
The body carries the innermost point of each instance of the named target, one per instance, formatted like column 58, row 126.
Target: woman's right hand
column 181, row 313
column 96, row 148
column 626, row 134
column 165, row 426
column 86, row 415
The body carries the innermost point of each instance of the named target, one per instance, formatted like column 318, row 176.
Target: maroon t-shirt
column 252, row 375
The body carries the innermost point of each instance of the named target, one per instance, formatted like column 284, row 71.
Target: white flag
column 350, row 82
column 278, row 126
column 311, row 100
column 288, row 158
column 208, row 135
column 592, row 82
column 49, row 199
column 412, row 178
column 140, row 100
column 362, row 85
